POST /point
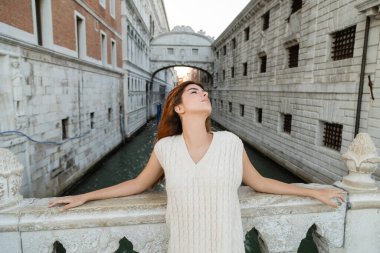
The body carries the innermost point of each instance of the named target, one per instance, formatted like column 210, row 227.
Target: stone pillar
column 362, row 230
column 10, row 179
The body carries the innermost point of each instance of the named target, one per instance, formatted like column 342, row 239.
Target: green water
column 128, row 161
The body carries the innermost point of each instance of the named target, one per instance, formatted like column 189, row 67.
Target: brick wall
column 18, row 14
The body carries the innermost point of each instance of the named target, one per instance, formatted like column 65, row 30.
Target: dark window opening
column 233, row 43
column 259, row 114
column 230, row 106
column 224, row 75
column 245, row 68
column 65, row 128
column 293, row 56
column 92, row 118
column 79, row 24
column 224, row 50
column 109, row 114
column 246, row 34
column 265, row 19
column 241, row 110
column 343, row 44
column 287, row 123
column 263, row 65
column 39, row 22
column 232, row 72
column 332, row 135
column 296, row 5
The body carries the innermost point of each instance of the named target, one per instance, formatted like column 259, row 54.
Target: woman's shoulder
column 228, row 135
column 167, row 139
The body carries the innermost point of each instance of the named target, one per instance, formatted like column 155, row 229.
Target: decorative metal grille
column 265, row 21
column 343, row 44
column 332, row 135
column 287, row 123
column 259, row 112
column 296, row 5
column 263, row 66
column 293, row 56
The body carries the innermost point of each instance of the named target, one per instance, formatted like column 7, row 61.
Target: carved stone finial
column 10, row 178
column 361, row 160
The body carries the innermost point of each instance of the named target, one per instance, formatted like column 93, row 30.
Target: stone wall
column 43, row 93
column 318, row 90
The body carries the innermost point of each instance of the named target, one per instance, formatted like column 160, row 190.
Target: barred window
column 232, row 72
column 259, row 115
column 170, row 50
column 265, row 19
column 343, row 43
column 224, row 50
column 230, row 106
column 263, row 65
column 332, row 135
column 296, row 5
column 287, row 123
column 241, row 110
column 293, row 56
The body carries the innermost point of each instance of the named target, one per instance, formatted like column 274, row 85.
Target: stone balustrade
column 282, row 221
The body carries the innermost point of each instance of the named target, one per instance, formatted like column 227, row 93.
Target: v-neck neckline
column 204, row 156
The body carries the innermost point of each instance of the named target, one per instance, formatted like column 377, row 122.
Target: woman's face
column 195, row 100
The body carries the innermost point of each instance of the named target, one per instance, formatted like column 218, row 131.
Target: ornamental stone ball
column 361, row 160
column 10, row 178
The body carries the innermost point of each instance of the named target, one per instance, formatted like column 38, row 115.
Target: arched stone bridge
column 182, row 47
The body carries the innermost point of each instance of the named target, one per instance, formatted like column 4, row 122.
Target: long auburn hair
column 170, row 122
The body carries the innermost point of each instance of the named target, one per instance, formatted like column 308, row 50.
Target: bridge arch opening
column 209, row 79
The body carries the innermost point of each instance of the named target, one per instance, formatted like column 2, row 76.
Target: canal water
column 128, row 161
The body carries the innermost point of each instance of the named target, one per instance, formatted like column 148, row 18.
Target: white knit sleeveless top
column 203, row 210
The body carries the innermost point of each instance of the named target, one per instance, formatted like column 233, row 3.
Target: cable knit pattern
column 203, row 210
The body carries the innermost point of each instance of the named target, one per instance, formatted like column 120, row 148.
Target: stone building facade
column 64, row 94
column 141, row 21
column 286, row 79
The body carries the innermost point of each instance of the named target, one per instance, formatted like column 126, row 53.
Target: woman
column 203, row 171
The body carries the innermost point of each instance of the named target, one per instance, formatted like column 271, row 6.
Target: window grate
column 343, row 44
column 263, row 66
column 293, row 56
column 332, row 135
column 287, row 123
column 296, row 5
column 265, row 18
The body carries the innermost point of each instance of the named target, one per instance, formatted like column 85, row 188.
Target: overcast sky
column 212, row 16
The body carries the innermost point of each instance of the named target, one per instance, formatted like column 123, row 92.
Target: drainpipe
column 362, row 73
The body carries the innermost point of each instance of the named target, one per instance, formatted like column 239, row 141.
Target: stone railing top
column 149, row 207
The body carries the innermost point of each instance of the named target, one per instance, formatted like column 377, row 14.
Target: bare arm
column 252, row 178
column 149, row 175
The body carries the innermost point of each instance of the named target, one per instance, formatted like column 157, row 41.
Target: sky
column 211, row 16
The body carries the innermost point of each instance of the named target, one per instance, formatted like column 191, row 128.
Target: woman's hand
column 326, row 195
column 71, row 201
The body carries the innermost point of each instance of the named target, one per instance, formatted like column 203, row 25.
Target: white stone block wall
column 318, row 90
column 50, row 87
